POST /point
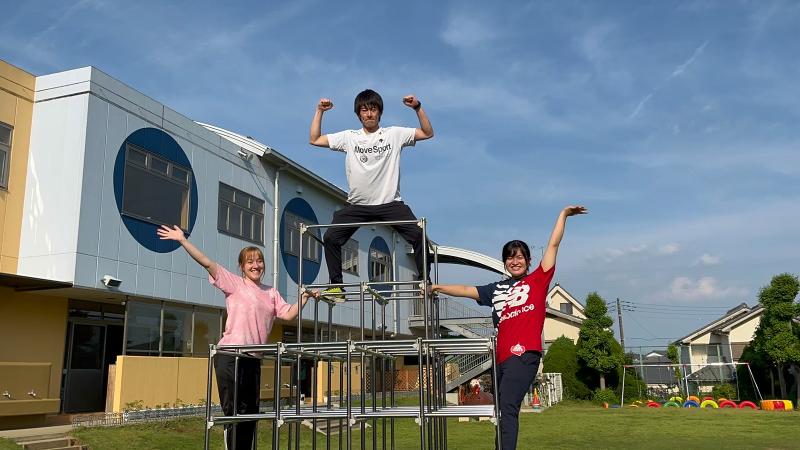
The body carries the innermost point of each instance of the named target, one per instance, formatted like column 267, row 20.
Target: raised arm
column 549, row 258
column 425, row 130
column 176, row 234
column 315, row 135
column 456, row 290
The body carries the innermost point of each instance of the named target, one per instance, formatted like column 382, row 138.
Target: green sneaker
column 335, row 294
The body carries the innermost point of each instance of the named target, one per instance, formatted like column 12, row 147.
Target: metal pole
column 621, row 332
column 208, row 424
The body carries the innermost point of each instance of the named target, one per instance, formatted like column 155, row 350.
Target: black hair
column 368, row 97
column 511, row 247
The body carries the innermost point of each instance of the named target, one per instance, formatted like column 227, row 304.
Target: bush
column 605, row 396
column 562, row 357
column 725, row 390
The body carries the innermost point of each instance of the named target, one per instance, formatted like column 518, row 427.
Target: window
column 565, row 308
column 154, row 189
column 240, row 214
column 311, row 245
column 144, row 328
column 177, row 331
column 350, row 257
column 5, row 153
column 380, row 263
column 206, row 331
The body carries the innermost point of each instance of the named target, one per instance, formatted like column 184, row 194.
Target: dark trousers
column 336, row 237
column 514, row 378
column 238, row 436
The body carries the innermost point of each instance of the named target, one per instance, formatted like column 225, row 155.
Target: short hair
column 368, row 97
column 511, row 247
column 247, row 252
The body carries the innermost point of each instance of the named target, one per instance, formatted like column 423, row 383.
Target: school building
column 96, row 312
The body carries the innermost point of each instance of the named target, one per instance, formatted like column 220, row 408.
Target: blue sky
column 671, row 121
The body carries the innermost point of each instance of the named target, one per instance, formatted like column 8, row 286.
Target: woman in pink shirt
column 252, row 308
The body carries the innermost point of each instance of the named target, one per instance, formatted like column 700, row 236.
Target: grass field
column 572, row 425
column 6, row 444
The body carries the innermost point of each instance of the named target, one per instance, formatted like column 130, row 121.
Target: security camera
column 110, row 281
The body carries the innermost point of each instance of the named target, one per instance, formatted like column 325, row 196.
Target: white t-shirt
column 372, row 162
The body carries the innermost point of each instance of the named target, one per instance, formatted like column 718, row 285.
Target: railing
column 450, row 308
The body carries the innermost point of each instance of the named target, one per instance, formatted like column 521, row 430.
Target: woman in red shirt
column 518, row 311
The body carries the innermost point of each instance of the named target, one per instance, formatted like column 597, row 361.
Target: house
column 720, row 341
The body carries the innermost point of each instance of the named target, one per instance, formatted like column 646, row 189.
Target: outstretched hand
column 324, row 104
column 306, row 294
column 172, row 234
column 575, row 210
column 411, row 101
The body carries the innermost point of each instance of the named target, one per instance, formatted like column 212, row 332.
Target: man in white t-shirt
column 372, row 165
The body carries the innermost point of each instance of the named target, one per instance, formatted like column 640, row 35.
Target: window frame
column 131, row 148
column 5, row 168
column 290, row 227
column 350, row 253
column 376, row 257
column 566, row 305
column 257, row 230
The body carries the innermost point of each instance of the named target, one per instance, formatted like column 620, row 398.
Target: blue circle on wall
column 161, row 144
column 300, row 208
column 379, row 244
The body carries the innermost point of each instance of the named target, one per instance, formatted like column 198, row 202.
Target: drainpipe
column 395, row 319
column 275, row 224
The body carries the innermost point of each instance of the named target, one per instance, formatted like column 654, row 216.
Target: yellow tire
column 709, row 403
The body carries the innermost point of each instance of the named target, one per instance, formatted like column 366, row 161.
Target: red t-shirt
column 518, row 311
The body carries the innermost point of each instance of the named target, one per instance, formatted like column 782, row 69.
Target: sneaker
column 335, row 294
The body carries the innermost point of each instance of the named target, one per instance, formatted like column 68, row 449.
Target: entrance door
column 91, row 347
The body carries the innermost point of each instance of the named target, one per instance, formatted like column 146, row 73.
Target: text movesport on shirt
column 374, row 149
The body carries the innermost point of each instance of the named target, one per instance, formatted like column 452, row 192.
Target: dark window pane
column 136, row 157
column 87, row 346
column 5, row 134
column 3, row 167
column 258, row 224
column 222, row 219
column 257, row 205
column 206, row 331
column 180, row 174
column 242, row 200
column 225, row 193
column 158, row 165
column 235, row 221
column 247, row 225
column 144, row 322
column 153, row 198
column 177, row 330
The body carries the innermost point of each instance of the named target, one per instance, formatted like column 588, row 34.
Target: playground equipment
column 368, row 362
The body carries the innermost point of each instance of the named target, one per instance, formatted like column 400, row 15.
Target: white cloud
column 682, row 68
column 684, row 288
column 465, row 30
column 668, row 249
column 707, row 259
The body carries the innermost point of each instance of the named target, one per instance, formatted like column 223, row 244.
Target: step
column 48, row 444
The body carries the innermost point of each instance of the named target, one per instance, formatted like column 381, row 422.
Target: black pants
column 515, row 376
column 247, row 397
column 336, row 237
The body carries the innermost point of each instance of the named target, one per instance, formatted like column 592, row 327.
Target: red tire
column 747, row 404
column 653, row 405
column 727, row 404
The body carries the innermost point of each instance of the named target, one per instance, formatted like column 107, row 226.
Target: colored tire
column 671, row 405
column 691, row 404
column 747, row 404
column 653, row 405
column 676, row 399
column 693, row 398
column 709, row 403
column 727, row 404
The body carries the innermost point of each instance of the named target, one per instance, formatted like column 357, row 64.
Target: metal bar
column 361, row 224
column 209, row 422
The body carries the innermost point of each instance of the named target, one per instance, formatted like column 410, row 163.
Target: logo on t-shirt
column 363, row 158
column 517, row 349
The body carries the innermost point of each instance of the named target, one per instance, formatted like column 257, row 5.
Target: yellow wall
column 32, row 330
column 16, row 109
column 555, row 327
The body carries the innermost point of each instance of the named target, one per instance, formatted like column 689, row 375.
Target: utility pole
column 621, row 333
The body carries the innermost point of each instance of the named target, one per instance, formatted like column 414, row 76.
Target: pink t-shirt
column 252, row 308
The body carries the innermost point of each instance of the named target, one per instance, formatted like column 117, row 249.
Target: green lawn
column 7, row 444
column 574, row 425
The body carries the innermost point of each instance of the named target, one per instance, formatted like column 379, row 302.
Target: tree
column 562, row 357
column 672, row 355
column 778, row 337
column 596, row 340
